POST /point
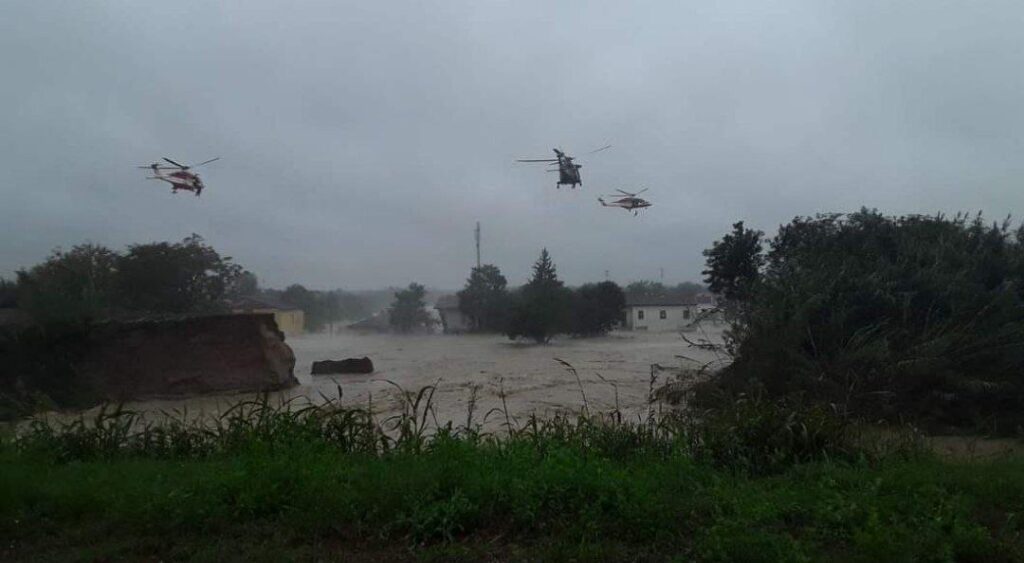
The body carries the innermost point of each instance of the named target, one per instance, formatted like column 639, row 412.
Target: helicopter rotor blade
column 641, row 191
column 625, row 193
column 600, row 149
column 205, row 162
column 538, row 160
column 183, row 167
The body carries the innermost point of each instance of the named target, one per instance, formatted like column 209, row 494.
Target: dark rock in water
column 348, row 365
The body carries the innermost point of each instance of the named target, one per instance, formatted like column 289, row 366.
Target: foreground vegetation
column 761, row 482
column 898, row 318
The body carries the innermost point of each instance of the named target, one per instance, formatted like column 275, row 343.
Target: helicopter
column 628, row 201
column 181, row 178
column 568, row 171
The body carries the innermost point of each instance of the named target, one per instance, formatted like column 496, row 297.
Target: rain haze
column 361, row 141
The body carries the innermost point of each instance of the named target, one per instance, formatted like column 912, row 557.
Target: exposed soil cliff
column 180, row 357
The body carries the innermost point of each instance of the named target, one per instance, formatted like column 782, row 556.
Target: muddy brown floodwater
column 533, row 381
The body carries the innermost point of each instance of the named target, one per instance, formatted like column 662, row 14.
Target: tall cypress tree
column 542, row 307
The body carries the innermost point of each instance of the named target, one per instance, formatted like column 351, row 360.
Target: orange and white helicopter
column 181, row 178
column 628, row 201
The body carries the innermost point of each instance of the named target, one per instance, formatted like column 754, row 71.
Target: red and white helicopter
column 628, row 201
column 181, row 178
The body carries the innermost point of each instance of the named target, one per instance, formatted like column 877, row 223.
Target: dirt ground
column 533, row 380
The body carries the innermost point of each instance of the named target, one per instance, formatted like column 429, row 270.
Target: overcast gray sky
column 362, row 140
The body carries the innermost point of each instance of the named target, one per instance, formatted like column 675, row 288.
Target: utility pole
column 476, row 235
column 606, row 277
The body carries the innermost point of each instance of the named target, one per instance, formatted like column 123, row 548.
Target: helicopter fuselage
column 568, row 171
column 629, row 203
column 179, row 179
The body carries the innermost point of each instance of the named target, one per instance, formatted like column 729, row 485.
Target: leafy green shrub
column 759, row 435
column 889, row 317
column 38, row 369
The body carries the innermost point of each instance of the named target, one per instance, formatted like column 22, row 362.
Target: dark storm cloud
column 361, row 141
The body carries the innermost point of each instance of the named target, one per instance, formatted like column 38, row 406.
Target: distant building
column 290, row 320
column 452, row 319
column 707, row 308
column 378, row 322
column 705, row 302
column 654, row 313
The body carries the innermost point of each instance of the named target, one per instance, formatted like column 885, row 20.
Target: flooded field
column 533, row 381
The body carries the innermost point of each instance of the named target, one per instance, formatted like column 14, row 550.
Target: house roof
column 447, row 302
column 657, row 301
column 261, row 303
column 706, row 299
column 378, row 321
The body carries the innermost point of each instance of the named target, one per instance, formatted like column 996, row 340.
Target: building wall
column 453, row 320
column 676, row 317
column 291, row 322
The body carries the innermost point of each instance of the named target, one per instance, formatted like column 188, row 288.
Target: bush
column 890, row 317
column 596, row 308
column 38, row 369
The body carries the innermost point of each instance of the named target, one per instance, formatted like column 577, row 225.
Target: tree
column 8, row 293
column 245, row 285
column 297, row 295
column 184, row 277
column 485, row 298
column 596, row 308
column 688, row 290
column 890, row 317
column 319, row 307
column 351, row 305
column 78, row 284
column 734, row 263
column 542, row 306
column 645, row 289
column 409, row 310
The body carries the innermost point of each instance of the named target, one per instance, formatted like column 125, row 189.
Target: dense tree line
column 685, row 291
column 91, row 281
column 915, row 316
column 542, row 308
column 322, row 308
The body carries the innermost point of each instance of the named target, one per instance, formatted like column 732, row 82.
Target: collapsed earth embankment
column 188, row 356
column 78, row 365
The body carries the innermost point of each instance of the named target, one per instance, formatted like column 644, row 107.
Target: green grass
column 329, row 483
column 458, row 498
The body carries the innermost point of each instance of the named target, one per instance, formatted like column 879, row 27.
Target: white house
column 452, row 319
column 665, row 313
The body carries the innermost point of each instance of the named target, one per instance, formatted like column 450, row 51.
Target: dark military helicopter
column 628, row 201
column 181, row 178
column 568, row 171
